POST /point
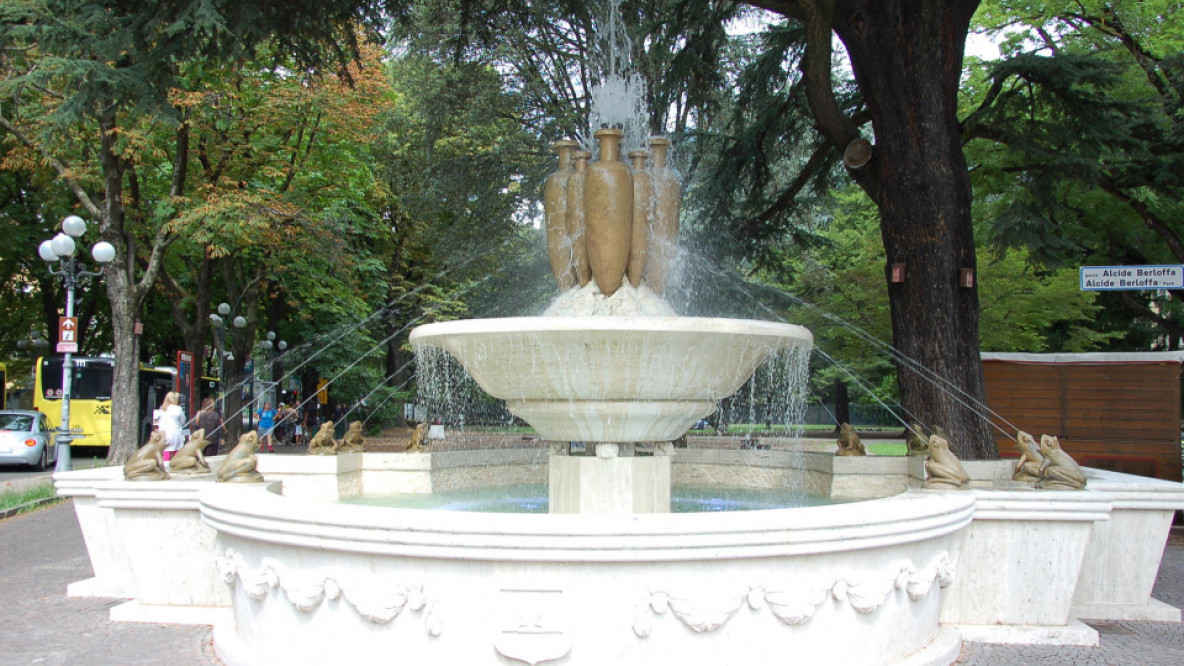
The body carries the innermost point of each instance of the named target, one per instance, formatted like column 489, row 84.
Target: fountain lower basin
column 610, row 379
column 305, row 581
column 316, row 582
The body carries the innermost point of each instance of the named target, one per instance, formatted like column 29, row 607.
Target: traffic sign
column 67, row 335
column 67, row 329
column 1132, row 278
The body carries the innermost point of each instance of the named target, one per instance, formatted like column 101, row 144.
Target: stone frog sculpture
column 353, row 441
column 189, row 460
column 944, row 469
column 1058, row 471
column 1027, row 468
column 239, row 465
column 147, row 463
column 322, row 443
column 417, row 438
column 849, row 444
column 916, row 442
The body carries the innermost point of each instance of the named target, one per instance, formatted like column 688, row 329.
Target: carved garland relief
column 376, row 602
column 797, row 604
column 534, row 631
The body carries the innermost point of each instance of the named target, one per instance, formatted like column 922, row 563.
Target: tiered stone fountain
column 289, row 578
column 602, row 369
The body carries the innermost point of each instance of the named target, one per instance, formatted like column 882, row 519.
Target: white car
column 26, row 439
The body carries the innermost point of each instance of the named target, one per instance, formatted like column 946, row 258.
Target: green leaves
column 1076, row 140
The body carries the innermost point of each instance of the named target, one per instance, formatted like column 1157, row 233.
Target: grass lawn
column 887, row 448
column 11, row 499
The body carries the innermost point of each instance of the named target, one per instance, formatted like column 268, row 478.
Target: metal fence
column 873, row 415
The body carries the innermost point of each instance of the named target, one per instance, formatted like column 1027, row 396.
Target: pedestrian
column 312, row 419
column 280, row 433
column 299, row 418
column 285, row 423
column 171, row 422
column 266, row 427
column 210, row 420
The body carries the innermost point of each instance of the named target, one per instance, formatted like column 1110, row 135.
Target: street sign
column 67, row 329
column 1131, row 278
column 67, row 335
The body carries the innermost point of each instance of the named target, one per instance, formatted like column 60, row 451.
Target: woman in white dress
column 171, row 422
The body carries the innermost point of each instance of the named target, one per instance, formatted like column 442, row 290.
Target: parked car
column 26, row 439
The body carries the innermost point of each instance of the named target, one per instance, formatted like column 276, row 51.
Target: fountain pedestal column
column 608, row 484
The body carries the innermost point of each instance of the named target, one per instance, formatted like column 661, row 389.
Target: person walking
column 171, row 422
column 210, row 420
column 312, row 419
column 298, row 416
column 266, row 427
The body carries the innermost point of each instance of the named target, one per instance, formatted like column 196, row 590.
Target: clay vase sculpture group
column 608, row 221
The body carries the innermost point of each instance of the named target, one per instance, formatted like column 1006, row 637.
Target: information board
column 183, row 383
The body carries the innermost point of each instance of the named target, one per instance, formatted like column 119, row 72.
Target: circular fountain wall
column 315, row 582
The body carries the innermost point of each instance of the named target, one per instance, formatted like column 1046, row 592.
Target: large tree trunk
column 233, row 391
column 125, row 385
column 842, row 404
column 123, row 291
column 907, row 59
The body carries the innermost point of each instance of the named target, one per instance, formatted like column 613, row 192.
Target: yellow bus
column 90, row 395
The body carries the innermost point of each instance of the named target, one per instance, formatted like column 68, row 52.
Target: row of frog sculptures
column 147, row 463
column 608, row 221
column 1046, row 465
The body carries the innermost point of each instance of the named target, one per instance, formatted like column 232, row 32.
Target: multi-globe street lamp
column 61, row 248
column 218, row 323
column 270, row 347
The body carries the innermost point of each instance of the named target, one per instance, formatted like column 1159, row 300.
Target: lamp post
column 221, row 330
column 218, row 322
column 270, row 346
column 71, row 271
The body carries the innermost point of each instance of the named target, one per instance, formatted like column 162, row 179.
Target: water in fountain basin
column 532, row 498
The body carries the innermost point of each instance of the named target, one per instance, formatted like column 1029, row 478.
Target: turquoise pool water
column 533, row 499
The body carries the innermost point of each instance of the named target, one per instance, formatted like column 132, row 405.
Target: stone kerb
column 100, row 533
column 169, row 551
column 386, row 473
column 866, row 477
column 1123, row 555
column 451, row 470
column 825, row 474
column 326, row 478
column 1018, row 566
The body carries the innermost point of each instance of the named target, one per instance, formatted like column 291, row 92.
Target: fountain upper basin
column 610, row 379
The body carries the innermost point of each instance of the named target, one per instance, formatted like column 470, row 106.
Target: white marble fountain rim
column 511, row 325
column 267, row 516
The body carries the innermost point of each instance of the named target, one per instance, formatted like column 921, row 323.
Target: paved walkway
column 42, row 552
